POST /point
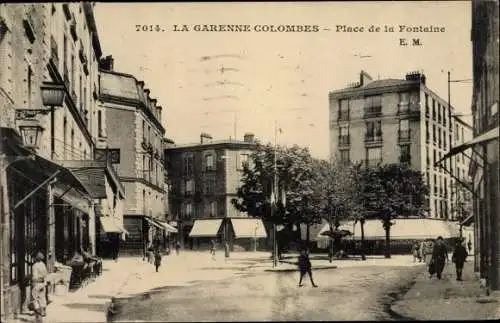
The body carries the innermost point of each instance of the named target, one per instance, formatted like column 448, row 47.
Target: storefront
column 31, row 185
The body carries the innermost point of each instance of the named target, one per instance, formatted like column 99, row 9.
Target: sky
column 230, row 83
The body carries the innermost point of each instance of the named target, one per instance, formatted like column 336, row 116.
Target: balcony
column 373, row 112
column 54, row 53
column 373, row 140
column 344, row 140
column 343, row 115
column 408, row 109
column 404, row 135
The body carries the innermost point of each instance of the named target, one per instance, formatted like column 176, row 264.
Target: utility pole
column 274, row 189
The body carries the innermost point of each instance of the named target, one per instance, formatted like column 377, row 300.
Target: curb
column 295, row 269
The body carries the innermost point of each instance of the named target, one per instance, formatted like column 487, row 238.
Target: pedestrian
column 157, row 256
column 427, row 251
column 226, row 250
column 416, row 252
column 459, row 256
column 212, row 248
column 38, row 292
column 150, row 254
column 469, row 245
column 177, row 247
column 439, row 256
column 305, row 267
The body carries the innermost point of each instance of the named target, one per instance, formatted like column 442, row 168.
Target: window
column 434, row 155
column 344, row 134
column 445, row 188
column 427, row 156
column 188, row 209
column 444, row 116
column 149, row 134
column 65, row 55
column 73, row 72
column 433, row 109
column 344, row 105
column 374, row 101
column 404, row 98
column 405, row 153
column 144, row 208
column 435, row 208
column 344, row 157
column 189, row 186
column 456, row 132
column 243, row 160
column 435, row 184
column 445, row 146
column 212, row 209
column 374, row 129
column 427, row 136
column 439, row 137
column 65, row 130
column 414, row 97
column 85, row 154
column 434, row 133
column 209, row 186
column 404, row 128
column 428, row 179
column 439, row 112
column 29, row 80
column 188, row 165
column 99, row 124
column 426, row 104
column 374, row 156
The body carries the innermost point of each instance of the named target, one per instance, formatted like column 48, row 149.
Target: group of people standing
column 435, row 254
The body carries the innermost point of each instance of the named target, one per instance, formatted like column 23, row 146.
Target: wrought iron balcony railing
column 373, row 111
column 370, row 138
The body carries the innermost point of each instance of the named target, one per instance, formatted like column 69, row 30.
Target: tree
column 295, row 202
column 393, row 191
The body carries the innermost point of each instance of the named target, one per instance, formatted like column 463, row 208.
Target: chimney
column 158, row 112
column 364, row 78
column 204, row 136
column 249, row 137
column 415, row 76
column 107, row 63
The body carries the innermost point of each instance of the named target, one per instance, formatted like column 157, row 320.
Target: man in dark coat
column 439, row 256
column 305, row 267
column 459, row 256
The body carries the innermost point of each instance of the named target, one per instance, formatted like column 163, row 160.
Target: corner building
column 129, row 120
column 400, row 121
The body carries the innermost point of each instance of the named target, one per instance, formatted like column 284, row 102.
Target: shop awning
column 205, row 228
column 249, row 228
column 487, row 136
column 38, row 170
column 154, row 222
column 168, row 227
column 109, row 226
column 92, row 174
column 404, row 229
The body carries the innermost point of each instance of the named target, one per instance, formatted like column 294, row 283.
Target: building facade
column 123, row 100
column 400, row 121
column 484, row 169
column 47, row 51
column 204, row 178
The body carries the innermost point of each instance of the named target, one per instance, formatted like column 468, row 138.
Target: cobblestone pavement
column 350, row 293
column 448, row 299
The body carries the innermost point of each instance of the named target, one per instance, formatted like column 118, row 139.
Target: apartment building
column 204, row 178
column 129, row 123
column 484, row 169
column 400, row 121
column 49, row 54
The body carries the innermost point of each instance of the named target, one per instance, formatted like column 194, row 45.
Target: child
column 305, row 267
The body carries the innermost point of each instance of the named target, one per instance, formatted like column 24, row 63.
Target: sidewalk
column 132, row 275
column 448, row 299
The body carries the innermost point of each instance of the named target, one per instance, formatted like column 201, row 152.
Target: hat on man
column 39, row 256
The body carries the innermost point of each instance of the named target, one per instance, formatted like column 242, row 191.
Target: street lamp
column 53, row 95
column 31, row 132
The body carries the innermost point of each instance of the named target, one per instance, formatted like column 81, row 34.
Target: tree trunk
column 363, row 257
column 308, row 235
column 387, row 241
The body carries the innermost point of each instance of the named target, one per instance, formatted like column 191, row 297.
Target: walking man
column 459, row 256
column 177, row 247
column 157, row 256
column 38, row 292
column 305, row 267
column 212, row 249
column 439, row 256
